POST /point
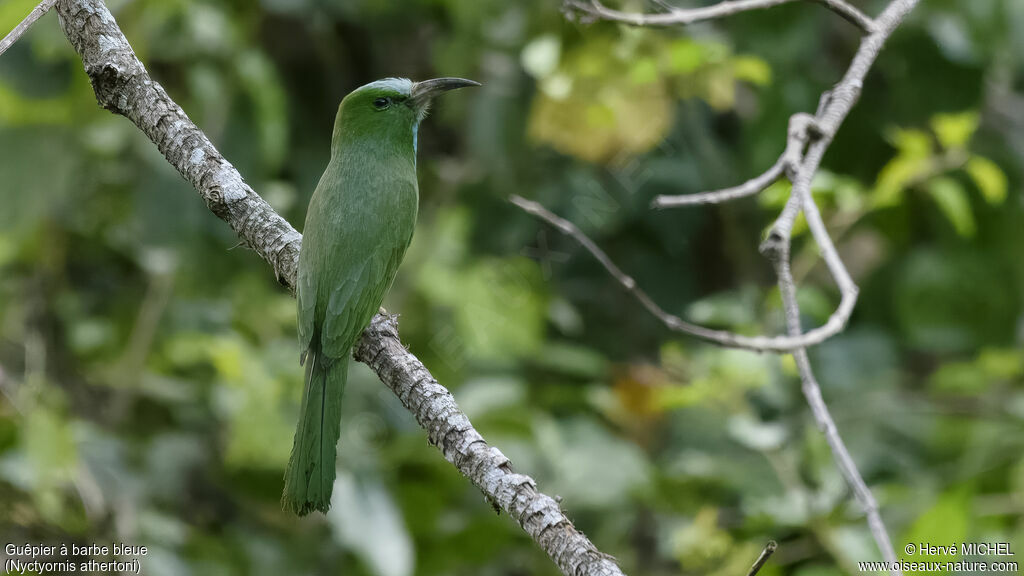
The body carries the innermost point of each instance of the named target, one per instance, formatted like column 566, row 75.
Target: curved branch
column 675, row 16
column 801, row 127
column 749, row 188
column 778, row 344
column 123, row 86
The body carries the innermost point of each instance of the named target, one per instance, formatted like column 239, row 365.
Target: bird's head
column 391, row 105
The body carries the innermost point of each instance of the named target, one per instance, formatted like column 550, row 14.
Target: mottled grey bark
column 123, row 86
column 487, row 468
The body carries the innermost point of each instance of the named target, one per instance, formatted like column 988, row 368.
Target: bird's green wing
column 305, row 293
column 355, row 300
column 362, row 250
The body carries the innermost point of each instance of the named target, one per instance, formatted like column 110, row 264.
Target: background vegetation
column 149, row 368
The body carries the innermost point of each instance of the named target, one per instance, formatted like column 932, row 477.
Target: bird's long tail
column 309, row 478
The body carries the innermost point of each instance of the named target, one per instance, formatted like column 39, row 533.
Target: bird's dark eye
column 381, row 103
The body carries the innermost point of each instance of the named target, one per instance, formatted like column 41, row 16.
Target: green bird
column 359, row 224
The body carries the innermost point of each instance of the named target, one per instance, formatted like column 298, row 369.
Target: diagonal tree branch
column 123, row 86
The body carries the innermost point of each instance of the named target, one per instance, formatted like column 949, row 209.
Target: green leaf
column 598, row 122
column 686, row 56
column 952, row 200
column 959, row 378
column 644, row 71
column 912, row 160
column 944, row 523
column 976, row 376
column 955, row 130
column 776, row 195
column 1001, row 363
column 752, row 69
column 988, row 177
column 912, row 143
column 227, row 357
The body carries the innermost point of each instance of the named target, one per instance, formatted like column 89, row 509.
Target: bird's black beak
column 425, row 91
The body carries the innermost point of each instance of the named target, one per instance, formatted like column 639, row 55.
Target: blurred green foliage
column 149, row 367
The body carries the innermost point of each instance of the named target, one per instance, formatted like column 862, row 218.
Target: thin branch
column 123, row 86
column 836, row 106
column 663, row 5
column 748, row 188
column 675, row 16
column 850, row 13
column 823, row 418
column 769, row 549
column 24, row 25
column 779, row 344
column 800, row 128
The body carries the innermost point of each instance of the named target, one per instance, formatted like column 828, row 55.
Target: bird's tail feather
column 309, row 478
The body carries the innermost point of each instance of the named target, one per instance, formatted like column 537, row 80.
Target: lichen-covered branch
column 487, row 468
column 123, row 86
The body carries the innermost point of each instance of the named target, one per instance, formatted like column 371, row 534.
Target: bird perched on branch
column 359, row 224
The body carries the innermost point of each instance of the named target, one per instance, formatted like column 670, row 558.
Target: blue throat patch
column 415, row 140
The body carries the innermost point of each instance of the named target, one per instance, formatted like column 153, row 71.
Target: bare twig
column 748, row 188
column 23, row 26
column 769, row 549
column 123, row 86
column 663, row 5
column 823, row 418
column 850, row 13
column 801, row 127
column 833, row 326
column 675, row 16
column 835, row 109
